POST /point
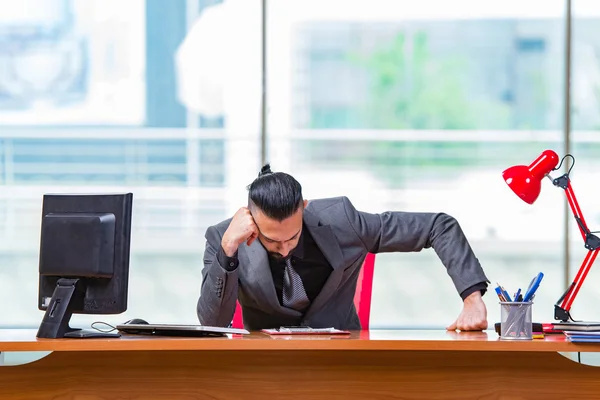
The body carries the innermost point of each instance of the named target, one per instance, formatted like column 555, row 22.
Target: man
column 303, row 268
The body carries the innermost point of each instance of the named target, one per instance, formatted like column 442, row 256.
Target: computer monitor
column 83, row 260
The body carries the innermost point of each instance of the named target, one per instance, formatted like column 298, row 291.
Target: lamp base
column 560, row 314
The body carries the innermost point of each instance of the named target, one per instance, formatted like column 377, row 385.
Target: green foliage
column 412, row 89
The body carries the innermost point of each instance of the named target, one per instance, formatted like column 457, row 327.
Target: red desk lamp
column 526, row 182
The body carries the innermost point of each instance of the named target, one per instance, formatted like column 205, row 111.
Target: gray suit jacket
column 345, row 236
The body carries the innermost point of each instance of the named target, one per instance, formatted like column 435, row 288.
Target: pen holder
column 515, row 320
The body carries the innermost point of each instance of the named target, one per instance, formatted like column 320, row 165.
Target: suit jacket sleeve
column 218, row 293
column 410, row 231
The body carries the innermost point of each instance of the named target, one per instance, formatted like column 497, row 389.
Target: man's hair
column 277, row 194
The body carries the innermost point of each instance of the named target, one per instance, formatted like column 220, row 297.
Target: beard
column 278, row 257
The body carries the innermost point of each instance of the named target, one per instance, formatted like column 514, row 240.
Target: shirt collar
column 299, row 250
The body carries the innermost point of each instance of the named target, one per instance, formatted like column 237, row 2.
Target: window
column 585, row 114
column 106, row 96
column 420, row 107
column 412, row 106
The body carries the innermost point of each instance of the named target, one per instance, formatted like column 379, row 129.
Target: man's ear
column 305, row 203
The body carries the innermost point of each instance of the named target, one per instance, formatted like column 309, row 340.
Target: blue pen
column 504, row 292
column 533, row 287
column 499, row 293
column 517, row 294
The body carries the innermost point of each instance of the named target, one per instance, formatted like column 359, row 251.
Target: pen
column 533, row 286
column 499, row 293
column 504, row 292
column 518, row 294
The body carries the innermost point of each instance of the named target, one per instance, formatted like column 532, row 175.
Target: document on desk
column 304, row 330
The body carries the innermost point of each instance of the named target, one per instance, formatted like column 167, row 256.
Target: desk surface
column 400, row 340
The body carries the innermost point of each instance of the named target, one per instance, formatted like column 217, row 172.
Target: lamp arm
column 592, row 243
column 565, row 183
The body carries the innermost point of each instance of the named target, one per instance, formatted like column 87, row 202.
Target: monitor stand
column 68, row 295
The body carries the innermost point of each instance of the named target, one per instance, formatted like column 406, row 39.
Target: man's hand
column 473, row 316
column 241, row 229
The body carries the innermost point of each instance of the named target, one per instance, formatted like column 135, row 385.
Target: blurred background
column 399, row 105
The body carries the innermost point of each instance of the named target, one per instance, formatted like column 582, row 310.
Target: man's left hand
column 473, row 316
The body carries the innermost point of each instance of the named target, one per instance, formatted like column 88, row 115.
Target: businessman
column 290, row 261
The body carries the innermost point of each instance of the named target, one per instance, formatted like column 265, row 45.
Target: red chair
column 362, row 298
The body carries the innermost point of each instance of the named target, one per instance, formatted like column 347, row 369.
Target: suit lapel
column 329, row 246
column 258, row 275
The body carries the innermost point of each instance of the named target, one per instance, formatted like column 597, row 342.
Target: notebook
column 577, row 326
column 582, row 336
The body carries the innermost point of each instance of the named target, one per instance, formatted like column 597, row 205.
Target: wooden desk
column 366, row 365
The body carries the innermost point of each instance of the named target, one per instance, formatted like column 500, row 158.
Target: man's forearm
column 218, row 296
column 454, row 250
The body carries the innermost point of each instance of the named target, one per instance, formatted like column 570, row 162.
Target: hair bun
column 266, row 169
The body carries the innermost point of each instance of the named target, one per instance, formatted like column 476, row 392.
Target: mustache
column 276, row 255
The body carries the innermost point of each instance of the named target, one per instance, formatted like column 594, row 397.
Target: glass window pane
column 159, row 98
column 585, row 114
column 420, row 107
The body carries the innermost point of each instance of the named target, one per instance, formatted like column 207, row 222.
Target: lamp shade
column 526, row 181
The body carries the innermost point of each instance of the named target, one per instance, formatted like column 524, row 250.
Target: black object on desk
column 177, row 330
